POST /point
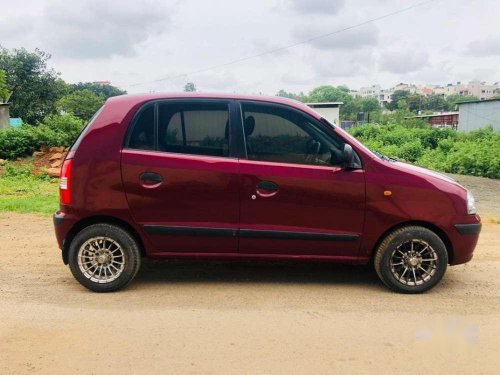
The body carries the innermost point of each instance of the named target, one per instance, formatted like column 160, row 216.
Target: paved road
column 241, row 317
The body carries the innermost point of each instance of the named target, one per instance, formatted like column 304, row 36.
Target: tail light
column 65, row 182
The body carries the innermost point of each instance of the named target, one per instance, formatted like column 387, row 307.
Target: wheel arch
column 439, row 232
column 85, row 222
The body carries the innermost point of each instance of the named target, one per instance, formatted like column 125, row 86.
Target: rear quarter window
column 85, row 130
column 142, row 135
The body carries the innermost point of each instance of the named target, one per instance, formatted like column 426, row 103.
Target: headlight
column 471, row 203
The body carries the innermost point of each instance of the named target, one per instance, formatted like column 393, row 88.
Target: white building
column 329, row 110
column 478, row 114
column 479, row 89
column 382, row 95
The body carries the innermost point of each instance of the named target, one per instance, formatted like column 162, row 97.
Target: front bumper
column 464, row 236
column 468, row 229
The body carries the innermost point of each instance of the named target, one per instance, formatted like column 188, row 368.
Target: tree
column 99, row 89
column 397, row 96
column 190, row 87
column 4, row 90
column 82, row 104
column 35, row 88
column 329, row 93
column 370, row 104
column 454, row 99
column 301, row 97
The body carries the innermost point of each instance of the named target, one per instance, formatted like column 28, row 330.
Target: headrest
column 249, row 125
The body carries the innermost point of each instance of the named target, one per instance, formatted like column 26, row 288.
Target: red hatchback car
column 245, row 177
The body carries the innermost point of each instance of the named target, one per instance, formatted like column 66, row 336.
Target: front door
column 181, row 181
column 296, row 199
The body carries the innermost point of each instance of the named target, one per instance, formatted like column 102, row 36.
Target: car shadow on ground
column 256, row 272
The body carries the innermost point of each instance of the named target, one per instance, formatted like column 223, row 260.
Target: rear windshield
column 85, row 130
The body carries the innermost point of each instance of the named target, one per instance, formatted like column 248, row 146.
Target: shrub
column 475, row 153
column 55, row 130
column 16, row 142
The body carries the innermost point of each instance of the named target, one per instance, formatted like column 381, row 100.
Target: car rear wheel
column 104, row 257
column 411, row 259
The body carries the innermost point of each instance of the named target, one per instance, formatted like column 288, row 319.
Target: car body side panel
column 97, row 188
column 197, row 201
column 414, row 198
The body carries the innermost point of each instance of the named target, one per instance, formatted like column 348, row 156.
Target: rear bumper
column 63, row 223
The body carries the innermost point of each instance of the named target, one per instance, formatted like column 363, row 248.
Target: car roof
column 132, row 100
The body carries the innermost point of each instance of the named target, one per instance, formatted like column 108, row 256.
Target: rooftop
column 480, row 101
column 434, row 115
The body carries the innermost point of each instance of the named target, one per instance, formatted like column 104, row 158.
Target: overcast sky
column 131, row 43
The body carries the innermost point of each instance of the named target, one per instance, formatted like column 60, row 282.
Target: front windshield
column 338, row 129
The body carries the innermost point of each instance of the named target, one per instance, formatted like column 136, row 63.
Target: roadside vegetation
column 475, row 153
column 23, row 191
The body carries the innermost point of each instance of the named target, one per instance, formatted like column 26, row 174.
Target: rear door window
column 194, row 128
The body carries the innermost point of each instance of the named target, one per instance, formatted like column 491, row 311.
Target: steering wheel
column 313, row 151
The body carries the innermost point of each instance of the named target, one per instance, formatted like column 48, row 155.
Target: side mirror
column 348, row 157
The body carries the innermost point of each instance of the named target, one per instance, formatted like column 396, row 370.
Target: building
column 412, row 89
column 480, row 89
column 440, row 120
column 329, row 110
column 382, row 95
column 478, row 114
column 15, row 122
column 4, row 115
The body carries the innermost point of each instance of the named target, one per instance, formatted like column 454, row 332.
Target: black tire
column 131, row 256
column 400, row 242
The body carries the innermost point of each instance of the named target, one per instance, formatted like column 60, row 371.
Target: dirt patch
column 49, row 160
column 239, row 317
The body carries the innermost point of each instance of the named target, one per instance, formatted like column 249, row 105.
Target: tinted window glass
column 280, row 135
column 142, row 136
column 200, row 129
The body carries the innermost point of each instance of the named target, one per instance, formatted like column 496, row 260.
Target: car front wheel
column 411, row 259
column 104, row 257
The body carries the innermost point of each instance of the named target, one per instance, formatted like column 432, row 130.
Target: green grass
column 21, row 191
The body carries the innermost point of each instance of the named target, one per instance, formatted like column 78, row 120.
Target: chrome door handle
column 150, row 179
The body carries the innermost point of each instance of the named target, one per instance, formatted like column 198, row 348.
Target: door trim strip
column 286, row 235
column 190, row 231
column 247, row 233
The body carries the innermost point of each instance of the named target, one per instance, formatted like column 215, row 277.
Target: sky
column 137, row 44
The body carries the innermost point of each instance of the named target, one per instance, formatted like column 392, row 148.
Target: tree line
column 36, row 91
column 402, row 100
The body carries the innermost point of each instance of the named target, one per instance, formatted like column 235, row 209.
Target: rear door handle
column 267, row 188
column 150, row 179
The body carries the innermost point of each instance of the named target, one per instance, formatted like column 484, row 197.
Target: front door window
column 277, row 134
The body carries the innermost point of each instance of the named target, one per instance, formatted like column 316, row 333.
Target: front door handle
column 267, row 188
column 150, row 179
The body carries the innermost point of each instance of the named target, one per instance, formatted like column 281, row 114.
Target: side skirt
column 261, row 257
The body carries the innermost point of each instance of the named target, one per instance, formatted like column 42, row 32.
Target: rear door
column 296, row 199
column 181, row 175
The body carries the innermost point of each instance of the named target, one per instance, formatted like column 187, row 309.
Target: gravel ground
column 238, row 317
